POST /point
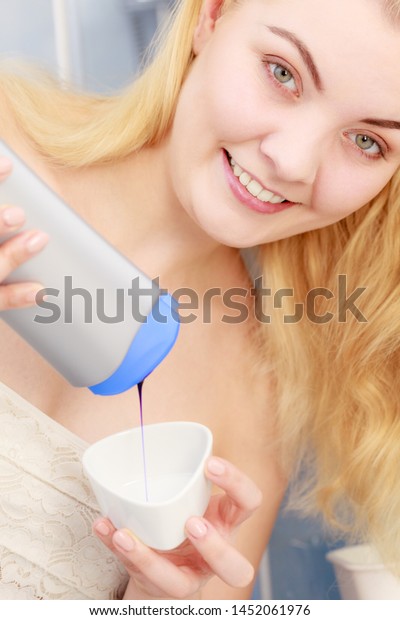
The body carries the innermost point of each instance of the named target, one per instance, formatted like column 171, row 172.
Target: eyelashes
column 367, row 145
column 282, row 75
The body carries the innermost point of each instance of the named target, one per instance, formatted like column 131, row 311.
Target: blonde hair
column 75, row 129
column 337, row 383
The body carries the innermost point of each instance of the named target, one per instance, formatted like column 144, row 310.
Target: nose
column 295, row 151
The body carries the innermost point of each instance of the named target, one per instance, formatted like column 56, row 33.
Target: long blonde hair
column 75, row 129
column 337, row 383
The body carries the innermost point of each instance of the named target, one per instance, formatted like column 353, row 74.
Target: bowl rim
column 143, row 503
column 338, row 560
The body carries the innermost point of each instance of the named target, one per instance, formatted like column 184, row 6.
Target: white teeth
column 276, row 199
column 265, row 195
column 254, row 186
column 245, row 179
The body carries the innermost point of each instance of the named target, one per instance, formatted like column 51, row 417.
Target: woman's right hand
column 15, row 251
column 208, row 551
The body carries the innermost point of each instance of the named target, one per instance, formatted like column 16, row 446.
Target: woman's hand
column 16, row 251
column 208, row 550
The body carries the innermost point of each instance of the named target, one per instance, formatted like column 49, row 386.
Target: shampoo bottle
column 101, row 322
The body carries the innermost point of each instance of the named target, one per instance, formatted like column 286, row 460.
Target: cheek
column 228, row 91
column 347, row 189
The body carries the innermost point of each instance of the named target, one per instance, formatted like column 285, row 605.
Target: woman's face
column 305, row 97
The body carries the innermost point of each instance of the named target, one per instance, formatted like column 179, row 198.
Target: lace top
column 47, row 549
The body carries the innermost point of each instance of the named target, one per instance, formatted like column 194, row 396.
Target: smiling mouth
column 252, row 186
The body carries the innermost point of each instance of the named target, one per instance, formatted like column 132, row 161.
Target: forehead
column 355, row 44
column 340, row 18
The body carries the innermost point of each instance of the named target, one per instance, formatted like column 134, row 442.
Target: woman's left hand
column 207, row 551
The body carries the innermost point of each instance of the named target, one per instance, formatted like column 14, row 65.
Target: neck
column 158, row 234
column 133, row 205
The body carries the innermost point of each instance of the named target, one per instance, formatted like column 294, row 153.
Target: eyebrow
column 312, row 68
column 382, row 123
column 303, row 51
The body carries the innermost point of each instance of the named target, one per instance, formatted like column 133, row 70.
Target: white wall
column 104, row 51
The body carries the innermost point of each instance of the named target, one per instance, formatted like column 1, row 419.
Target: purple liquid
column 146, row 491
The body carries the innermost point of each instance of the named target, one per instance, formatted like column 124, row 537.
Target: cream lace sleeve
column 47, row 549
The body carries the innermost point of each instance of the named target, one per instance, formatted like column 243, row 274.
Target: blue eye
column 283, row 76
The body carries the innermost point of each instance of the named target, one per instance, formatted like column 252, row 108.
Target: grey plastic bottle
column 103, row 323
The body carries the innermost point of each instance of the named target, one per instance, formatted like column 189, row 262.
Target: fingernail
column 24, row 295
column 30, row 294
column 12, row 216
column 215, row 466
column 102, row 528
column 5, row 164
column 196, row 527
column 124, row 540
column 36, row 242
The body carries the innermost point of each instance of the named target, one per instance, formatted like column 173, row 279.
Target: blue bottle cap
column 152, row 342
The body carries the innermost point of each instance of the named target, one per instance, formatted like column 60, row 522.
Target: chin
column 230, row 239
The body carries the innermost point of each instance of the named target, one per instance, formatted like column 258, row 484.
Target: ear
column 210, row 12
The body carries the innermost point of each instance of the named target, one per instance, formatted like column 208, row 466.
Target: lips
column 245, row 196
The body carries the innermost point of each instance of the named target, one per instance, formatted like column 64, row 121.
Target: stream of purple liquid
column 146, row 490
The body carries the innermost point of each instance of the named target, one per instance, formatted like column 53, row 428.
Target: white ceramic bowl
column 175, row 454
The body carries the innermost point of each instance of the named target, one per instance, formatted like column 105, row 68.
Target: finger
column 242, row 497
column 141, row 561
column 20, row 248
column 223, row 559
column 11, row 217
column 104, row 529
column 19, row 295
column 174, row 581
column 5, row 167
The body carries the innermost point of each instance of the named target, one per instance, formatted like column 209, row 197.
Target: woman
column 256, row 126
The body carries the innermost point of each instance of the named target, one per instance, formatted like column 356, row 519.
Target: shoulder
column 246, row 428
column 247, row 417
column 246, row 435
